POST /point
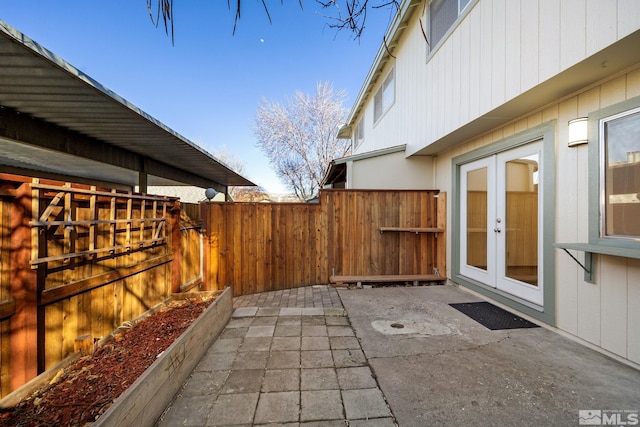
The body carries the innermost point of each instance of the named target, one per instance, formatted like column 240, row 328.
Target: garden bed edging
column 147, row 398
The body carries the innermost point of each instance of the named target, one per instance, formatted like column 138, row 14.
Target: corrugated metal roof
column 36, row 82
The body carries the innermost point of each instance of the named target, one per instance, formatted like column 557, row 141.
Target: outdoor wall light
column 578, row 131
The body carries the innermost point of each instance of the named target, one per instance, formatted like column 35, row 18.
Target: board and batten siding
column 604, row 314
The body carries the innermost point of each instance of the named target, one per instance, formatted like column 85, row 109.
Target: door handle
column 497, row 230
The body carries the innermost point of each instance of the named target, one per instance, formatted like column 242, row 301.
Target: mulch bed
column 86, row 389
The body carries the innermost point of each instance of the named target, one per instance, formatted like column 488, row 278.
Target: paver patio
column 295, row 358
column 287, row 357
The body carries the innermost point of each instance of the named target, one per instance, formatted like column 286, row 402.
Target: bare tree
column 348, row 14
column 240, row 194
column 250, row 194
column 352, row 14
column 300, row 137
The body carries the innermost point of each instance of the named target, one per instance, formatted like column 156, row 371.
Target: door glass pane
column 477, row 218
column 521, row 219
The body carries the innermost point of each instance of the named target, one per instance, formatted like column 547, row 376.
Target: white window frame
column 358, row 134
column 603, row 167
column 464, row 6
column 385, row 97
column 599, row 242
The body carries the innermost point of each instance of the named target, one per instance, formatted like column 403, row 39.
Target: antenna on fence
column 210, row 193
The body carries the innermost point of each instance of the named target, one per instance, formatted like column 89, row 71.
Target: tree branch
column 354, row 20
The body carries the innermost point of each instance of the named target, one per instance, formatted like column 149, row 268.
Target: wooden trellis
column 67, row 213
column 78, row 260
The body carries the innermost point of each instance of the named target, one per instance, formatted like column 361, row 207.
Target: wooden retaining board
column 388, row 278
column 147, row 398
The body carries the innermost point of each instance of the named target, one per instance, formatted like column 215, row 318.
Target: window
column 359, row 133
column 442, row 15
column 385, row 97
column 462, row 4
column 620, row 175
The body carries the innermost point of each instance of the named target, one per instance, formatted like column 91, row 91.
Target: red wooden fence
column 259, row 247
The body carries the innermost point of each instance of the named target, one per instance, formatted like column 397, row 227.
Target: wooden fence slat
column 78, row 260
column 282, row 246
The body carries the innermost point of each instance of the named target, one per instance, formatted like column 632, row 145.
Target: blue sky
column 208, row 85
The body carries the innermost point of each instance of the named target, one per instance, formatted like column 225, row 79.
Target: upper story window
column 442, row 15
column 358, row 135
column 385, row 96
column 619, row 179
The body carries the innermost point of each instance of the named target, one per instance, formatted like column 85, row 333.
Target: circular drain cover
column 426, row 326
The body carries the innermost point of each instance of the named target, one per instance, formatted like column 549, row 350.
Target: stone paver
column 319, row 379
column 232, row 409
column 285, row 358
column 288, row 330
column 365, row 404
column 260, row 331
column 281, row 380
column 255, row 344
column 317, row 359
column 344, row 343
column 321, row 405
column 279, row 407
column 245, row 312
column 347, row 358
column 285, row 343
column 203, row 383
column 243, row 381
column 314, row 331
column 315, row 343
column 251, row 360
column 355, row 378
column 187, row 410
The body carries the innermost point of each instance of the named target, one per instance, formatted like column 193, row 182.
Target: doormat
column 492, row 317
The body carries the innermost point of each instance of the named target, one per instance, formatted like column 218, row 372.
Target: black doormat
column 492, row 317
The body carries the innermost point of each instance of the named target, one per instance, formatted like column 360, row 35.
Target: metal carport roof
column 54, row 119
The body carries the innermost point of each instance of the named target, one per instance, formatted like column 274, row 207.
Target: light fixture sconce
column 578, row 131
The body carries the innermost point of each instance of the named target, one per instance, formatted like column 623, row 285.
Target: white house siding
column 405, row 120
column 604, row 314
column 392, row 171
column 501, row 49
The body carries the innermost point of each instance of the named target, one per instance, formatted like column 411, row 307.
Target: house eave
column 615, row 60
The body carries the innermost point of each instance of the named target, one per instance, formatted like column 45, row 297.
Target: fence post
column 176, row 248
column 441, row 246
column 24, row 292
column 206, row 213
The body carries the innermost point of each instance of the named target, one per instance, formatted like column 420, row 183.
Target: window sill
column 601, row 249
column 589, row 249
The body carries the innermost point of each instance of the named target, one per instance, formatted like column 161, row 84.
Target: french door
column 501, row 221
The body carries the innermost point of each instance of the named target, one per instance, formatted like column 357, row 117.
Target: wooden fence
column 259, row 247
column 190, row 250
column 77, row 261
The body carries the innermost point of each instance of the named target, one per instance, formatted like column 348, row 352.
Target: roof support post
column 143, row 179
